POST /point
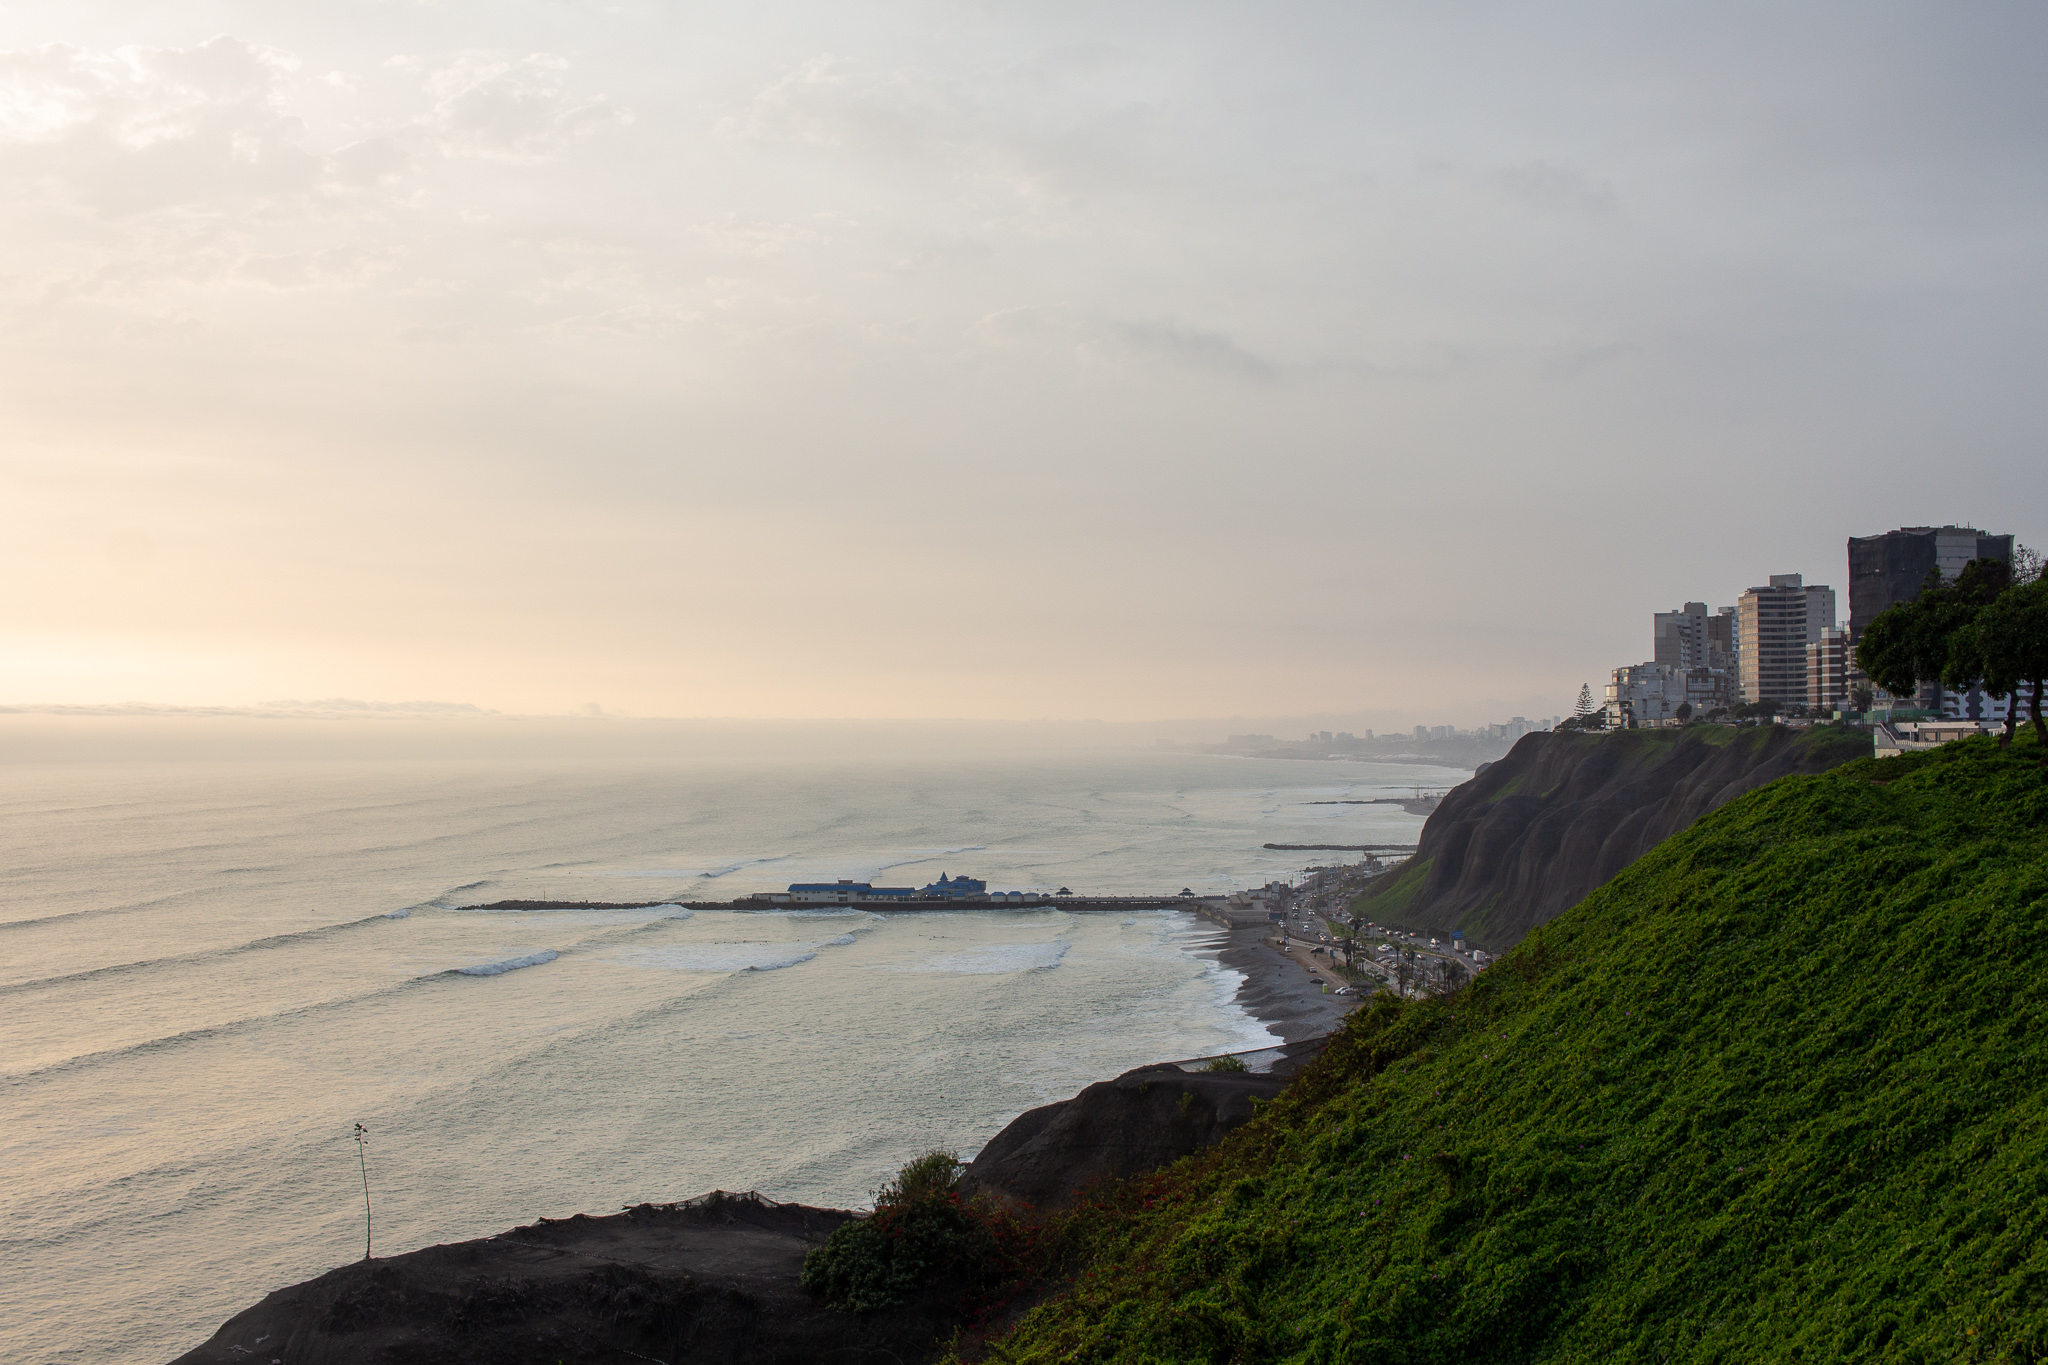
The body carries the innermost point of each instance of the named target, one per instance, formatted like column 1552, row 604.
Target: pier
column 1401, row 849
column 879, row 906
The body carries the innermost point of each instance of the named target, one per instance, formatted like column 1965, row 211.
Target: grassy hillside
column 1776, row 1092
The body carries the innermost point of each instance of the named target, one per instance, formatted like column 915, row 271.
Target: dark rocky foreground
column 716, row 1279
column 1138, row 1122
column 712, row 1280
column 1533, row 834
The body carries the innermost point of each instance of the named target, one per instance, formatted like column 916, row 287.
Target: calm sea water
column 210, row 972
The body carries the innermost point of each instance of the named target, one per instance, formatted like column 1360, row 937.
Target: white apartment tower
column 1777, row 623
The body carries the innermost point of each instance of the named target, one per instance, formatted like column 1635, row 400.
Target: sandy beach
column 1277, row 990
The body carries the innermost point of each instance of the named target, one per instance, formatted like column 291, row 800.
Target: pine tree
column 1585, row 707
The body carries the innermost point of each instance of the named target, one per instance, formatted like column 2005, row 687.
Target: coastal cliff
column 1533, row 834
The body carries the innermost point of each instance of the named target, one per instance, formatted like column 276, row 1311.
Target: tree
column 2026, row 566
column 1912, row 642
column 1951, row 628
column 2008, row 639
column 1684, row 711
column 1862, row 696
column 1886, row 651
column 1585, row 706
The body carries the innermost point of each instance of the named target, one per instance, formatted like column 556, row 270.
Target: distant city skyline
column 1785, row 643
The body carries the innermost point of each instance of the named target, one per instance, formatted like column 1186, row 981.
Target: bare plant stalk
column 363, row 1160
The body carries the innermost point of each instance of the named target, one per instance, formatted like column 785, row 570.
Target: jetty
column 1341, row 848
column 999, row 901
column 950, row 893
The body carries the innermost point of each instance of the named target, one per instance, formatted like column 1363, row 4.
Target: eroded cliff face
column 1529, row 837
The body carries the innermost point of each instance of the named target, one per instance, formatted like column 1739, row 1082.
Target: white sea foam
column 720, row 959
column 995, row 959
column 510, row 964
column 399, row 914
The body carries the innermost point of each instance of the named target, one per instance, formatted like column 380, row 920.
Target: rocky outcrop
column 1530, row 836
column 712, row 1280
column 1138, row 1122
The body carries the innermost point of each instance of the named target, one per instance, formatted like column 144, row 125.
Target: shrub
column 1225, row 1064
column 922, row 1235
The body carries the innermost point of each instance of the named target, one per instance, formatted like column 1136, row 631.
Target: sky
column 1078, row 361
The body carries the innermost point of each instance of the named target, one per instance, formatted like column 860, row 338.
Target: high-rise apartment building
column 1777, row 623
column 1678, row 639
column 1644, row 695
column 1827, row 670
column 1690, row 638
column 1724, row 640
column 1893, row 567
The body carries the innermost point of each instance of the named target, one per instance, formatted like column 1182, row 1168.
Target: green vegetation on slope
column 1403, row 890
column 1773, row 1093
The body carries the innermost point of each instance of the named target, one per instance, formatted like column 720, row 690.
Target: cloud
column 1109, row 343
column 1547, row 186
column 1172, row 343
column 338, row 267
column 491, row 106
column 370, row 161
column 759, row 240
column 818, row 101
column 138, row 128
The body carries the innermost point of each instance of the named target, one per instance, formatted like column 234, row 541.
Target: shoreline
column 1276, row 990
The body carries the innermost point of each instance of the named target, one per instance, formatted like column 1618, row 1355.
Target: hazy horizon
column 903, row 360
column 136, row 734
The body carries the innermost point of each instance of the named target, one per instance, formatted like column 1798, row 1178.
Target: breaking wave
column 993, row 960
column 721, row 958
column 203, row 955
column 510, row 964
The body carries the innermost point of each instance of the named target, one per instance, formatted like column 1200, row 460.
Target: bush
column 1225, row 1064
column 921, row 1235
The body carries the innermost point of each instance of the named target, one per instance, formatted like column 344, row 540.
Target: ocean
column 210, row 971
